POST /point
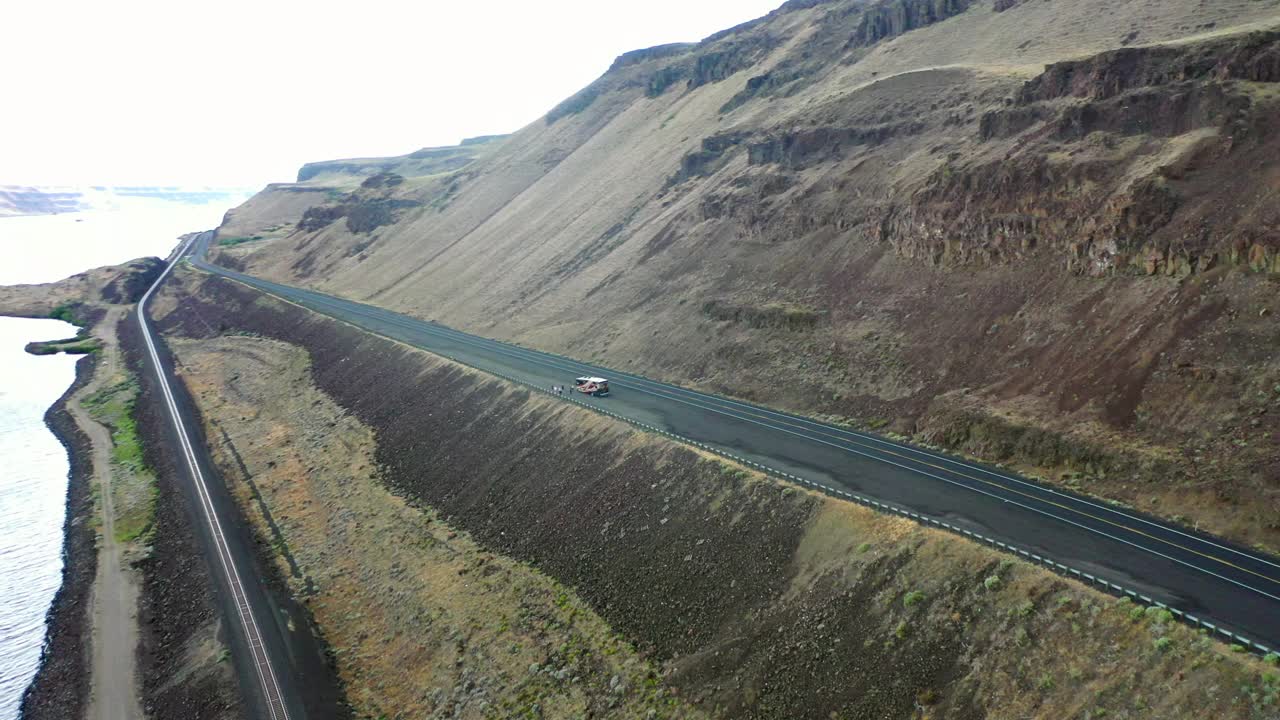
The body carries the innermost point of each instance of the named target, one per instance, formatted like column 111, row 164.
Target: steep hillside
column 1040, row 232
column 333, row 187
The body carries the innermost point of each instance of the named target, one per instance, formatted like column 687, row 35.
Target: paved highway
column 1234, row 591
column 257, row 642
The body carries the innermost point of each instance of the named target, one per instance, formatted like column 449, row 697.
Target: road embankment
column 185, row 608
column 61, row 687
column 182, row 641
column 423, row 620
column 751, row 597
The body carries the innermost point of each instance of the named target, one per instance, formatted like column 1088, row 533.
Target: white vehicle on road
column 592, row 386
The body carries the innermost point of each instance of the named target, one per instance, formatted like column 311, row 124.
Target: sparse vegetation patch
column 133, row 485
column 238, row 240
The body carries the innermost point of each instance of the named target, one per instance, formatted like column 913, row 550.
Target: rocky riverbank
column 60, row 689
column 114, row 530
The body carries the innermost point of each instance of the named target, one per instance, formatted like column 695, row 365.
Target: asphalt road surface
column 256, row 636
column 1232, row 590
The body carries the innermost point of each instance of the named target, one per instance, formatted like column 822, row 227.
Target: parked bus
column 592, row 386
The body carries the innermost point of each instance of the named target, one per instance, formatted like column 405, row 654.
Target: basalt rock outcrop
column 1109, row 163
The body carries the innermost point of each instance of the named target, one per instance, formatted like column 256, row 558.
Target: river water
column 33, row 484
column 33, row 464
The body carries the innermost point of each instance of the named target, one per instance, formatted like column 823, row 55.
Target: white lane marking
column 827, row 429
column 528, row 356
column 247, row 621
column 408, row 324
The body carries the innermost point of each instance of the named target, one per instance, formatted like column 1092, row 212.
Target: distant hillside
column 29, row 200
column 1041, row 232
column 18, row 200
column 420, row 163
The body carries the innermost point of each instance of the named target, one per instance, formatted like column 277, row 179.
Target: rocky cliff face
column 1042, row 232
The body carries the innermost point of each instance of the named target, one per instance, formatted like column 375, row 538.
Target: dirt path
column 115, row 593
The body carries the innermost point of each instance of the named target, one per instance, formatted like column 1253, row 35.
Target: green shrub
column 66, row 312
column 912, row 598
column 1046, row 682
column 240, row 240
column 1163, row 643
column 864, row 547
column 1272, row 658
column 992, row 582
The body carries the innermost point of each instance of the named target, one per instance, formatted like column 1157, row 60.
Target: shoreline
column 60, row 688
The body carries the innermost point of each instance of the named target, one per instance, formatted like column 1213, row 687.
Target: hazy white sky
column 242, row 92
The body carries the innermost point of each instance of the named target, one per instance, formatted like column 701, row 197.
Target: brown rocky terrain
column 1042, row 233
column 423, row 621
column 185, row 651
column 182, row 649
column 737, row 594
column 112, row 285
